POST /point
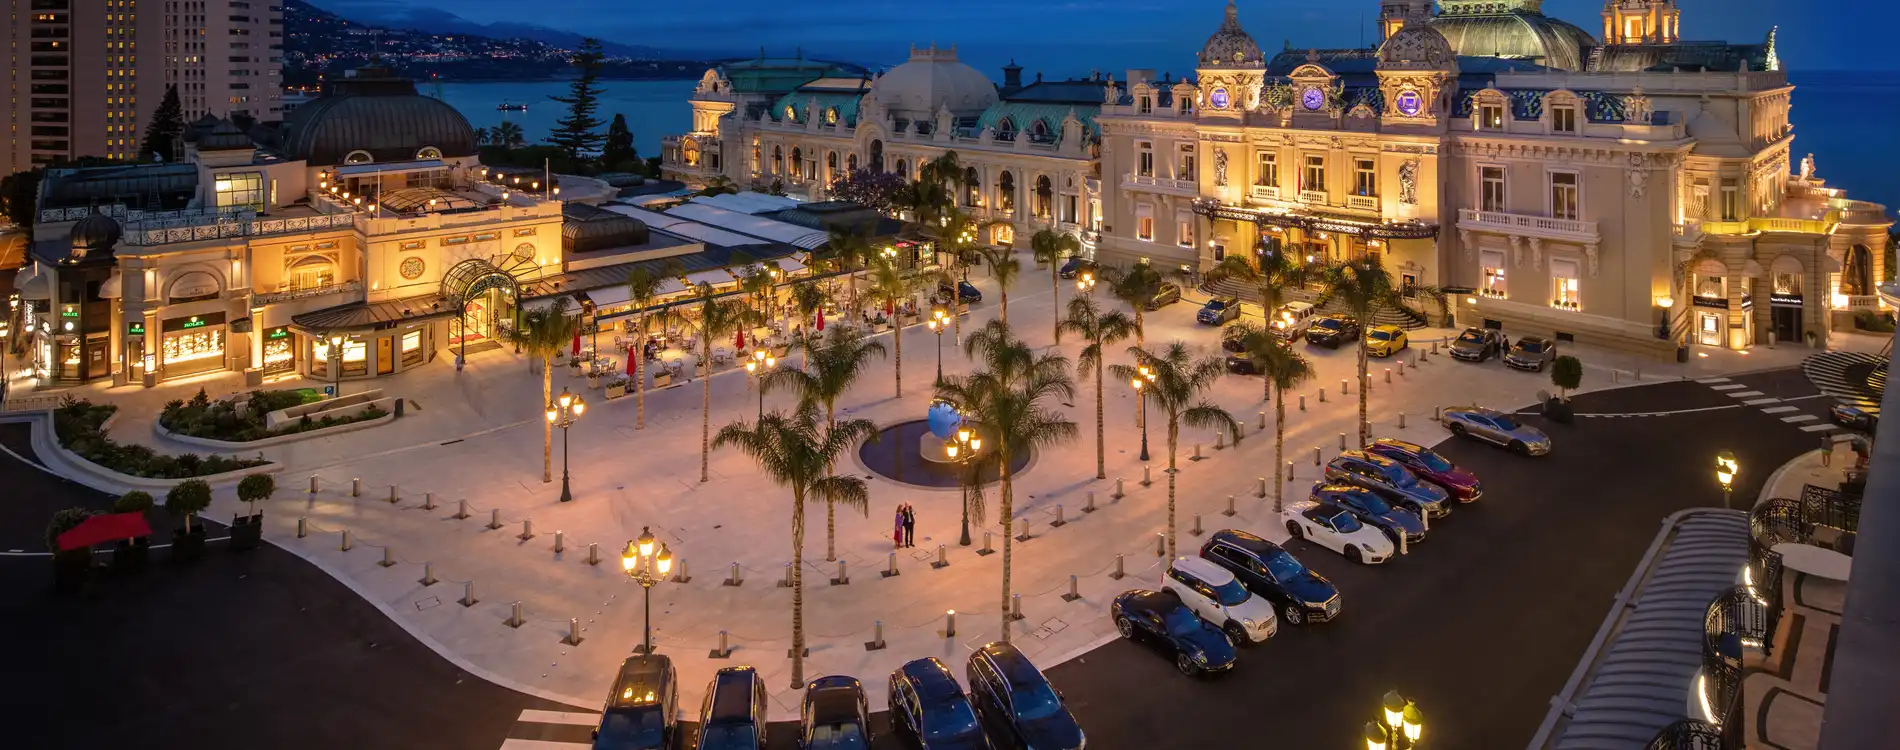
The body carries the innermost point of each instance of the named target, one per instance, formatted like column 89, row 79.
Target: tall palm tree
column 1136, row 286
column 1008, row 400
column 1179, row 384
column 483, row 136
column 643, row 287
column 1051, row 247
column 893, row 288
column 797, row 452
column 509, row 135
column 809, row 298
column 718, row 318
column 1101, row 330
column 544, row 334
column 837, row 362
column 1283, row 369
column 1004, row 268
column 851, row 250
column 1270, row 277
column 1365, row 288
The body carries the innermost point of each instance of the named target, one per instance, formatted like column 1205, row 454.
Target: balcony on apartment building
column 1526, row 225
column 157, row 228
column 1152, row 184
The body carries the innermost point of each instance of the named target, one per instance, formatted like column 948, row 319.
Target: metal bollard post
column 1289, row 472
column 1220, row 440
column 1261, row 491
column 1342, row 441
column 461, row 509
column 1434, row 347
column 1119, row 494
column 1302, row 403
column 1196, row 531
column 313, row 484
column 1197, row 451
column 1322, row 395
column 468, row 594
column 1438, row 414
column 890, row 568
column 389, row 558
column 723, row 650
column 494, row 519
column 949, row 623
column 732, row 576
column 1015, row 606
column 527, row 530
column 986, row 545
column 1316, row 455
column 1147, row 479
column 356, row 488
column 1263, row 420
column 1388, row 372
column 428, row 501
column 392, row 495
column 560, row 541
column 593, row 553
column 1119, row 570
column 514, row 616
column 346, row 540
column 784, row 583
column 303, row 527
column 428, row 574
column 1401, row 420
column 877, row 637
column 1073, row 593
column 1161, row 544
column 681, row 576
column 1090, row 506
column 573, row 631
column 943, row 559
column 1060, row 520
column 1344, row 389
column 1230, row 507
column 1401, row 368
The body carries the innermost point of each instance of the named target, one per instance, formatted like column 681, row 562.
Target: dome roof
column 933, row 78
column 1513, row 29
column 225, row 135
column 94, row 236
column 377, row 114
column 1417, row 46
column 1231, row 47
column 585, row 228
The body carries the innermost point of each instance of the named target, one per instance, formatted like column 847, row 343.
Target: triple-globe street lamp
column 1726, row 467
column 1399, row 727
column 562, row 412
column 1085, row 282
column 1141, row 383
column 939, row 321
column 964, row 449
column 646, row 568
column 757, row 368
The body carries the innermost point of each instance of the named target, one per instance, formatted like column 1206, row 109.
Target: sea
column 1849, row 120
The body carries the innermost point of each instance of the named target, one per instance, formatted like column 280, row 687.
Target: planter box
column 662, row 380
column 1559, row 411
column 593, row 380
column 188, row 547
column 72, row 569
column 618, row 390
column 247, row 532
column 131, row 556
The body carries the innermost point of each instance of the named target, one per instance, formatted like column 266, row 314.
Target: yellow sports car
column 1385, row 341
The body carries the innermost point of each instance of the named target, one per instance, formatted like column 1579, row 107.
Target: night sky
column 1076, row 36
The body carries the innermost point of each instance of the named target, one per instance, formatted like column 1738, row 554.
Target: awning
column 608, row 296
column 544, row 303
column 110, row 289
column 669, row 287
column 715, row 277
column 391, row 168
column 33, row 284
column 790, row 265
column 107, row 527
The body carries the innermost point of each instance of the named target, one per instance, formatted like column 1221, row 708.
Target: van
column 1292, row 319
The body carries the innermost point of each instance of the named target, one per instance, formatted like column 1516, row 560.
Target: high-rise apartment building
column 86, row 76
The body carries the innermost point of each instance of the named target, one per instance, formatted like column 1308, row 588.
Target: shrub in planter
column 248, row 531
column 131, row 555
column 184, row 500
column 136, row 501
column 71, row 568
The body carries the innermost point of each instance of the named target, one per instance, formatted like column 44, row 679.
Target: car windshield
column 1505, row 422
column 1329, row 324
column 1379, row 336
column 1531, row 347
column 1472, row 337
column 1035, row 701
column 728, row 735
column 1181, row 621
column 1372, row 503
column 1398, row 476
column 633, row 727
column 949, row 719
column 1230, row 593
column 1345, row 523
column 1215, row 304
column 1283, row 566
column 1433, row 461
column 838, row 735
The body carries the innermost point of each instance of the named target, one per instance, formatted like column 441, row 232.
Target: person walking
column 897, row 531
column 910, row 525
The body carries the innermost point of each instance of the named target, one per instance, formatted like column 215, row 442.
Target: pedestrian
column 897, row 532
column 910, row 526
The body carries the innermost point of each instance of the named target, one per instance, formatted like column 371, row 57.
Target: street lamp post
column 1141, row 392
column 1726, row 467
column 1085, row 282
column 563, row 411
column 963, row 449
column 335, row 355
column 939, row 321
column 1399, row 727
column 756, row 368
column 646, row 569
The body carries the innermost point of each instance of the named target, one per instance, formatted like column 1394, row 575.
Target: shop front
column 363, row 354
column 280, row 352
column 191, row 345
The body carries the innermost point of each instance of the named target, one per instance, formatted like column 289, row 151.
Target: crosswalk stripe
column 1779, row 409
column 1800, row 418
column 1817, row 427
column 1708, row 381
column 1760, row 401
column 1728, row 387
column 1745, row 394
column 580, row 718
column 515, row 744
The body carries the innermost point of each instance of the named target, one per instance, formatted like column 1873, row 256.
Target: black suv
column 929, row 707
column 733, row 714
column 1301, row 595
column 1332, row 330
column 1075, row 265
column 834, row 715
column 1018, row 705
column 640, row 712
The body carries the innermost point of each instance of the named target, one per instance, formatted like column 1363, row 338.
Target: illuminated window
column 1491, row 195
column 1315, row 173
column 411, row 341
column 1563, row 284
column 1731, row 199
column 239, row 190
column 1365, row 177
column 1184, row 162
column 1144, row 159
column 1269, row 174
column 1491, row 116
column 1184, row 231
column 1492, row 262
column 1565, row 195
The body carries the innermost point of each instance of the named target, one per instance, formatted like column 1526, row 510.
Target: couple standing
column 903, row 533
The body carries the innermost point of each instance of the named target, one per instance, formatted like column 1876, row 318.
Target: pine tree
column 619, row 149
column 575, row 133
column 168, row 124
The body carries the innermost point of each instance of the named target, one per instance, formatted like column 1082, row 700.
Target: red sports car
column 1431, row 467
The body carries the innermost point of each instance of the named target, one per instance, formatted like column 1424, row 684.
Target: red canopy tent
column 109, row 527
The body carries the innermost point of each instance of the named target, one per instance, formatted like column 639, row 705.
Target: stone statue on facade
column 1220, row 168
column 1408, row 182
column 1807, row 168
column 1637, row 108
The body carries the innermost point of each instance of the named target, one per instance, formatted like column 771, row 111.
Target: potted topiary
column 70, row 567
column 1567, row 374
column 247, row 531
column 130, row 555
column 184, row 500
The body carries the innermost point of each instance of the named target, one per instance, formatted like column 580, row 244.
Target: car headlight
column 1200, row 657
column 1249, row 623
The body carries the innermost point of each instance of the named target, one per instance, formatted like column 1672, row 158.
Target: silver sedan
column 1497, row 428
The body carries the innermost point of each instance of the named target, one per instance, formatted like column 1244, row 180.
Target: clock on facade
column 1218, row 98
column 1313, row 98
column 411, row 268
column 1409, row 103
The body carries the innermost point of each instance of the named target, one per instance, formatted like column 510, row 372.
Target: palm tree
column 643, row 287
column 851, row 250
column 1052, row 247
column 1269, row 278
column 837, row 362
column 543, row 334
column 718, row 318
column 797, row 452
column 483, row 136
column 1283, row 369
column 509, row 135
column 1135, row 286
column 719, row 185
column 893, row 288
column 809, row 298
column 1179, row 380
column 1008, row 400
column 1101, row 330
column 1004, row 268
column 1365, row 288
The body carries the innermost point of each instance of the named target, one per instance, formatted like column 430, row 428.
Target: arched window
column 1857, row 274
column 1045, row 195
column 851, row 163
column 1039, row 132
column 358, row 156
column 798, row 160
column 691, row 151
column 903, row 170
column 972, row 188
column 778, row 160
column 1005, row 130
column 1006, row 192
column 831, row 166
column 758, row 158
column 428, row 152
column 877, row 156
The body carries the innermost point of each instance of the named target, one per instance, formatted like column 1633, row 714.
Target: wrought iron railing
column 1721, row 682
column 268, row 298
column 1687, row 734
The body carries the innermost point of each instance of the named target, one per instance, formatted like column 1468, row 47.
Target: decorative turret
column 1641, row 22
column 1231, row 46
column 1231, row 71
column 1394, row 13
column 1417, row 71
column 1012, row 78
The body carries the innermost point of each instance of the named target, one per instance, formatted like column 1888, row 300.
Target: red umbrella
column 739, row 343
column 821, row 319
column 110, row 527
column 577, row 346
column 889, row 309
column 630, row 355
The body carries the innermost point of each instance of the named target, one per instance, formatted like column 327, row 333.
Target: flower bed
column 243, row 422
column 80, row 426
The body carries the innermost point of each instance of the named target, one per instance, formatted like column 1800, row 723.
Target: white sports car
column 1335, row 528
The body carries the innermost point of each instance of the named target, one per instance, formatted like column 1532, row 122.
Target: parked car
column 966, row 293
column 1167, row 294
column 834, row 715
column 1853, row 417
column 1268, row 570
column 1477, row 344
column 1403, row 527
column 732, row 717
column 1018, row 706
column 1334, row 528
column 1292, row 319
column 1385, row 340
column 1396, row 483
column 929, row 709
column 1231, row 339
column 1497, row 428
column 641, row 709
column 1075, row 265
column 1332, row 330
column 1161, row 619
column 1241, row 364
column 1219, row 598
column 1431, row 467
column 1218, row 311
column 1532, row 353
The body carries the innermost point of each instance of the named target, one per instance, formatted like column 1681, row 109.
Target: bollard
column 393, row 497
column 1342, row 441
column 943, row 559
column 890, row 568
column 1263, row 419
column 1289, row 472
column 1262, row 490
column 1147, row 479
column 1638, row 375
column 303, row 527
column 1119, row 494
column 573, row 631
column 428, row 501
column 949, row 623
column 1015, row 606
column 560, row 541
column 1316, row 455
column 468, row 594
column 681, row 576
column 313, row 484
column 356, row 488
column 1401, row 420
column 1197, row 451
column 1161, row 544
column 389, row 558
column 1438, row 414
column 1059, row 519
column 1388, row 372
column 1230, row 507
column 1302, row 403
column 1220, row 440
column 494, row 519
column 1344, row 390
column 593, row 553
column 1240, row 431
column 1073, row 594
column 428, row 574
column 1118, row 574
column 1614, row 375
column 461, row 509
column 784, row 583
column 514, row 616
column 1434, row 347
column 732, row 576
column 723, row 650
column 877, row 637
column 1401, row 368
column 1322, row 395
column 346, row 540
column 527, row 530
column 986, row 545
column 1090, row 506
column 1196, row 531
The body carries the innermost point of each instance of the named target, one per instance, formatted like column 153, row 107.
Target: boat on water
column 511, row 107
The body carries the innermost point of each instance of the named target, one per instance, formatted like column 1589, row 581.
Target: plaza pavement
column 473, row 436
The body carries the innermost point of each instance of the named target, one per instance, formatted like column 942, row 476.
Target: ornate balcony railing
column 1266, row 192
column 1687, row 734
column 1313, row 197
column 165, row 231
column 50, row 215
column 1363, row 202
column 1533, row 226
column 1159, row 183
column 261, row 299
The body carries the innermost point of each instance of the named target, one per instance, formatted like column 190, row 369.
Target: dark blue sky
column 1071, row 37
